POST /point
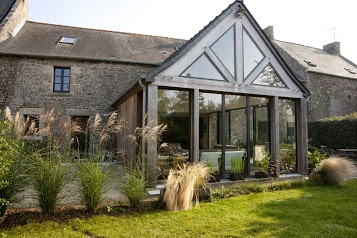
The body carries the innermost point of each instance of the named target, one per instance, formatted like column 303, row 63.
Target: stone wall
column 330, row 96
column 28, row 83
column 14, row 19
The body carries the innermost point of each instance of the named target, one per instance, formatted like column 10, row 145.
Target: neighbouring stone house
column 226, row 92
column 330, row 77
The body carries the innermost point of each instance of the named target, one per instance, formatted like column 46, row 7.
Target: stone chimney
column 269, row 31
column 333, row 48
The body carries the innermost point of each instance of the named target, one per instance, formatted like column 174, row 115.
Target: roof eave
column 78, row 58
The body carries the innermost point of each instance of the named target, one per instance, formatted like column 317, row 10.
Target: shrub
column 336, row 170
column 11, row 176
column 183, row 185
column 92, row 180
column 334, row 132
column 315, row 159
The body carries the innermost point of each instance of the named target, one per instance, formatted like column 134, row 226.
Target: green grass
column 313, row 211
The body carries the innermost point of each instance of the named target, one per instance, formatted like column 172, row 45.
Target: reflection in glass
column 236, row 130
column 252, row 55
column 202, row 68
column 269, row 77
column 224, row 50
column 174, row 111
column 287, row 136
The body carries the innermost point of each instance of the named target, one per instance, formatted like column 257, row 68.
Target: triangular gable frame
column 201, row 43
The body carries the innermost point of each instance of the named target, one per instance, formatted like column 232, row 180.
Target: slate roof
column 5, row 7
column 41, row 39
column 326, row 63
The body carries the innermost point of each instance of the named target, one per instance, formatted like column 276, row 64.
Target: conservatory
column 225, row 94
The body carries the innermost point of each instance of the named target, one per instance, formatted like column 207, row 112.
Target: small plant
column 237, row 165
column 183, row 186
column 92, row 180
column 336, row 170
column 315, row 158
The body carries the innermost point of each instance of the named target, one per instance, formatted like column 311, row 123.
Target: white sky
column 307, row 22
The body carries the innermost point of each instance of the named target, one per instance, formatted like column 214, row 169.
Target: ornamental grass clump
column 92, row 180
column 183, row 185
column 91, row 175
column 336, row 170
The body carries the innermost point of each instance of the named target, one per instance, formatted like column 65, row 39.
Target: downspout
column 143, row 123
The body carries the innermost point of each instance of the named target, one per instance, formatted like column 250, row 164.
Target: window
column 61, row 79
column 67, row 40
column 32, row 125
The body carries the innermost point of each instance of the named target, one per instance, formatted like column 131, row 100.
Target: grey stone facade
column 28, row 83
column 331, row 96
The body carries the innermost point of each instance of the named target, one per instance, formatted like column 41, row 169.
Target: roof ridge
column 93, row 29
column 299, row 44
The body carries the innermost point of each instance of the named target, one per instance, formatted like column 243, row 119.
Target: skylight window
column 350, row 71
column 309, row 63
column 67, row 40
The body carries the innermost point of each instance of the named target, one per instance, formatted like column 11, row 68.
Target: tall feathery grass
column 134, row 183
column 183, row 184
column 336, row 170
column 92, row 177
column 46, row 174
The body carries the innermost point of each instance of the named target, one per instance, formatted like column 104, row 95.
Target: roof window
column 67, row 40
column 350, row 71
column 309, row 63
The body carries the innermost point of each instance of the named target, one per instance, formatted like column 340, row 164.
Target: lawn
column 313, row 211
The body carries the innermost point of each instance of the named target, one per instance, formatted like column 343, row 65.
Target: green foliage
column 47, row 178
column 10, row 178
column 288, row 159
column 209, row 165
column 315, row 159
column 254, row 187
column 334, row 132
column 92, row 180
column 237, row 165
column 133, row 186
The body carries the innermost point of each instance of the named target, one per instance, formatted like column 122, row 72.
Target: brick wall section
column 93, row 85
column 330, row 96
column 18, row 13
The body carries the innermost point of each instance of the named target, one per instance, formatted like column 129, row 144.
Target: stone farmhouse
column 330, row 77
column 230, row 91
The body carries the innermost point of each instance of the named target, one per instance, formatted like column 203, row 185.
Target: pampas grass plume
column 336, row 170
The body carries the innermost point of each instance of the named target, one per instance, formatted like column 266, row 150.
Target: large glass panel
column 236, row 133
column 224, row 50
column 252, row 55
column 260, row 146
column 287, row 137
column 174, row 111
column 268, row 77
column 210, row 129
column 203, row 68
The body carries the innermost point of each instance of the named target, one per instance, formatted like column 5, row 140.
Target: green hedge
column 334, row 132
